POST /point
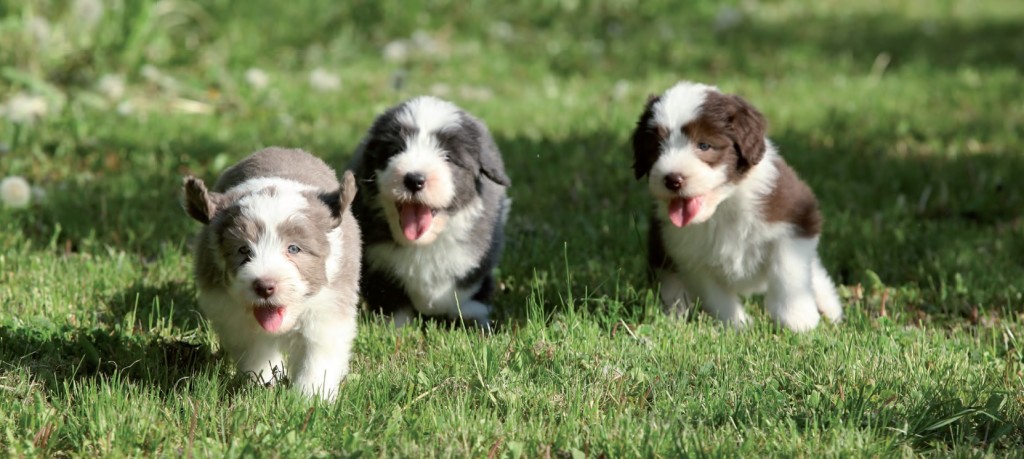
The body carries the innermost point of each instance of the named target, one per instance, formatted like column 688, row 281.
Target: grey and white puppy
column 277, row 266
column 432, row 204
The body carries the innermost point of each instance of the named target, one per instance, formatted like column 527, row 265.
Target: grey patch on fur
column 287, row 163
column 216, row 248
column 791, row 200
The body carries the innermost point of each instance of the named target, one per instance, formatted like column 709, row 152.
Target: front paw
column 799, row 315
column 476, row 313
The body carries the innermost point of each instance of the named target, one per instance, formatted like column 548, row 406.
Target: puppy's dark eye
column 447, row 157
column 245, row 251
column 294, row 249
column 703, row 146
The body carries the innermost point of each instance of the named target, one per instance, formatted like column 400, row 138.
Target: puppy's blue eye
column 294, row 249
column 703, row 146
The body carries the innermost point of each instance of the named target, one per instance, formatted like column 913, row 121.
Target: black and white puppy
column 730, row 218
column 432, row 205
column 277, row 266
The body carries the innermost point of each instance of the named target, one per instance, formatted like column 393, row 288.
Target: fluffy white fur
column 729, row 249
column 316, row 333
column 429, row 272
column 422, row 155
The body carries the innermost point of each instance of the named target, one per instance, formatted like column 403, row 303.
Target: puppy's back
column 287, row 163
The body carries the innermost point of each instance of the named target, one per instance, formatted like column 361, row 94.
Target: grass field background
column 905, row 117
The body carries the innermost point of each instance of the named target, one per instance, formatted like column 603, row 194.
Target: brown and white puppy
column 432, row 204
column 277, row 266
column 730, row 218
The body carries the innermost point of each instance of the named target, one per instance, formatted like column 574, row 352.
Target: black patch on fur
column 477, row 172
column 647, row 140
column 741, row 122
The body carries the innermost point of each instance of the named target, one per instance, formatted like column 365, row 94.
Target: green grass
column 905, row 117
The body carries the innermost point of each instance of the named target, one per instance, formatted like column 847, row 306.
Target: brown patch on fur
column 792, row 201
column 740, row 123
column 708, row 130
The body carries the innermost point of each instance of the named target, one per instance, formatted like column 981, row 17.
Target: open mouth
column 270, row 317
column 681, row 211
column 415, row 219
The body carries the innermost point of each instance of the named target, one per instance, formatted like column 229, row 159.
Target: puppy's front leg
column 259, row 356
column 473, row 312
column 716, row 300
column 675, row 300
column 320, row 357
column 790, row 297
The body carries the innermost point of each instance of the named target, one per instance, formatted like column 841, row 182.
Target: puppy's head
column 427, row 159
column 694, row 145
column 270, row 248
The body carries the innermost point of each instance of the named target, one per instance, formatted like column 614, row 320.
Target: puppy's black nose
column 264, row 287
column 415, row 181
column 674, row 181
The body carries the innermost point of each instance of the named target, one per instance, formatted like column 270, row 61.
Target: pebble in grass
column 24, row 108
column 15, row 192
column 324, row 80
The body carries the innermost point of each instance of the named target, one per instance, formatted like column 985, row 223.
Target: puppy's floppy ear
column 341, row 199
column 646, row 140
column 491, row 165
column 200, row 203
column 748, row 127
column 348, row 190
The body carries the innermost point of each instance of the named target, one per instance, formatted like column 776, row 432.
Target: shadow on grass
column 69, row 353
column 168, row 305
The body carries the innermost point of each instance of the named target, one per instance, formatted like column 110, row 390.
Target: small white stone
column 257, row 78
column 502, row 30
column 40, row 29
column 396, row 51
column 620, row 90
column 727, row 18
column 15, row 192
column 323, row 80
column 87, row 12
column 24, row 108
column 112, row 86
column 125, row 108
column 440, row 89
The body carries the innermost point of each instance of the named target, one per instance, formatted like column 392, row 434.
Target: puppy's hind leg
column 790, row 298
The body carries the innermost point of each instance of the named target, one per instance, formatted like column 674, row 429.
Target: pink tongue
column 269, row 317
column 415, row 219
column 682, row 210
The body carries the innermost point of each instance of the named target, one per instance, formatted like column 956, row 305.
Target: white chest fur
column 429, row 273
column 735, row 244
